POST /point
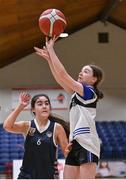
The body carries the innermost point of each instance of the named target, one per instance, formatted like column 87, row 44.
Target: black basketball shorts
column 78, row 155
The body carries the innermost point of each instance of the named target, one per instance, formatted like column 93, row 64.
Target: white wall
column 5, row 103
column 111, row 107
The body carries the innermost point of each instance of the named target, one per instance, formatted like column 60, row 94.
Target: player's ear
column 33, row 110
column 94, row 79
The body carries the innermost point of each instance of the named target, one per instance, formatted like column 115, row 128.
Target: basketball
column 52, row 22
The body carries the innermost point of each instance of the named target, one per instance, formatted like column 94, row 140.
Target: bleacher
column 11, row 147
column 113, row 138
column 112, row 135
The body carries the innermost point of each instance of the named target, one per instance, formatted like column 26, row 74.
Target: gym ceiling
column 19, row 31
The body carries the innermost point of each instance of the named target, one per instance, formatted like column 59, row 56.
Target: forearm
column 10, row 120
column 58, row 66
column 59, row 71
column 57, row 77
column 62, row 139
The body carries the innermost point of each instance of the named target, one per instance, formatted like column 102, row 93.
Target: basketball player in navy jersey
column 43, row 135
column 82, row 159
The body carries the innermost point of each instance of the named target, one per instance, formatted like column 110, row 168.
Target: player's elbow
column 6, row 126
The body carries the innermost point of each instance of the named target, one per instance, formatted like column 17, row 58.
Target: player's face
column 86, row 76
column 42, row 107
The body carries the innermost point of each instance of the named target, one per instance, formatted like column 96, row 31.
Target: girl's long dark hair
column 98, row 73
column 54, row 118
column 59, row 120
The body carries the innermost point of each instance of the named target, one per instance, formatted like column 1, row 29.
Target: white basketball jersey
column 82, row 123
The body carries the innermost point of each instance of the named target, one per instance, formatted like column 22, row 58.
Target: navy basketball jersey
column 40, row 157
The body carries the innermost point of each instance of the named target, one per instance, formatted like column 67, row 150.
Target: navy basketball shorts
column 78, row 155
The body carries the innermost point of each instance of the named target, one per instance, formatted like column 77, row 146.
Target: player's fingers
column 44, row 47
column 28, row 95
column 38, row 53
column 56, row 37
column 47, row 39
column 44, row 55
column 53, row 38
column 37, row 49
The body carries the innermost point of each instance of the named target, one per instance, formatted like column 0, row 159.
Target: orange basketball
column 52, row 22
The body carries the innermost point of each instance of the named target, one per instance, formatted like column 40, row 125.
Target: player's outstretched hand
column 24, row 99
column 42, row 52
column 50, row 42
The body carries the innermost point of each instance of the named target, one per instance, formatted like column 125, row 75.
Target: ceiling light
column 62, row 35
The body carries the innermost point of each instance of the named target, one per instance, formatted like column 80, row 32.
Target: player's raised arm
column 10, row 123
column 61, row 71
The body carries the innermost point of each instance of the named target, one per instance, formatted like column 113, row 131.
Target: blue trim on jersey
column 89, row 156
column 88, row 92
column 83, row 130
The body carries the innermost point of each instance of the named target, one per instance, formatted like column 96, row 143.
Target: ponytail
column 59, row 120
column 99, row 94
column 98, row 73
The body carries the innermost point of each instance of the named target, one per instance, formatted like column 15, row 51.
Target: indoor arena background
column 92, row 39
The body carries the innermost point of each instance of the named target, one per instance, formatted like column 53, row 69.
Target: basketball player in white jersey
column 82, row 159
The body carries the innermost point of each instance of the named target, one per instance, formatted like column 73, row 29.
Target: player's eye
column 86, row 71
column 46, row 103
column 39, row 104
